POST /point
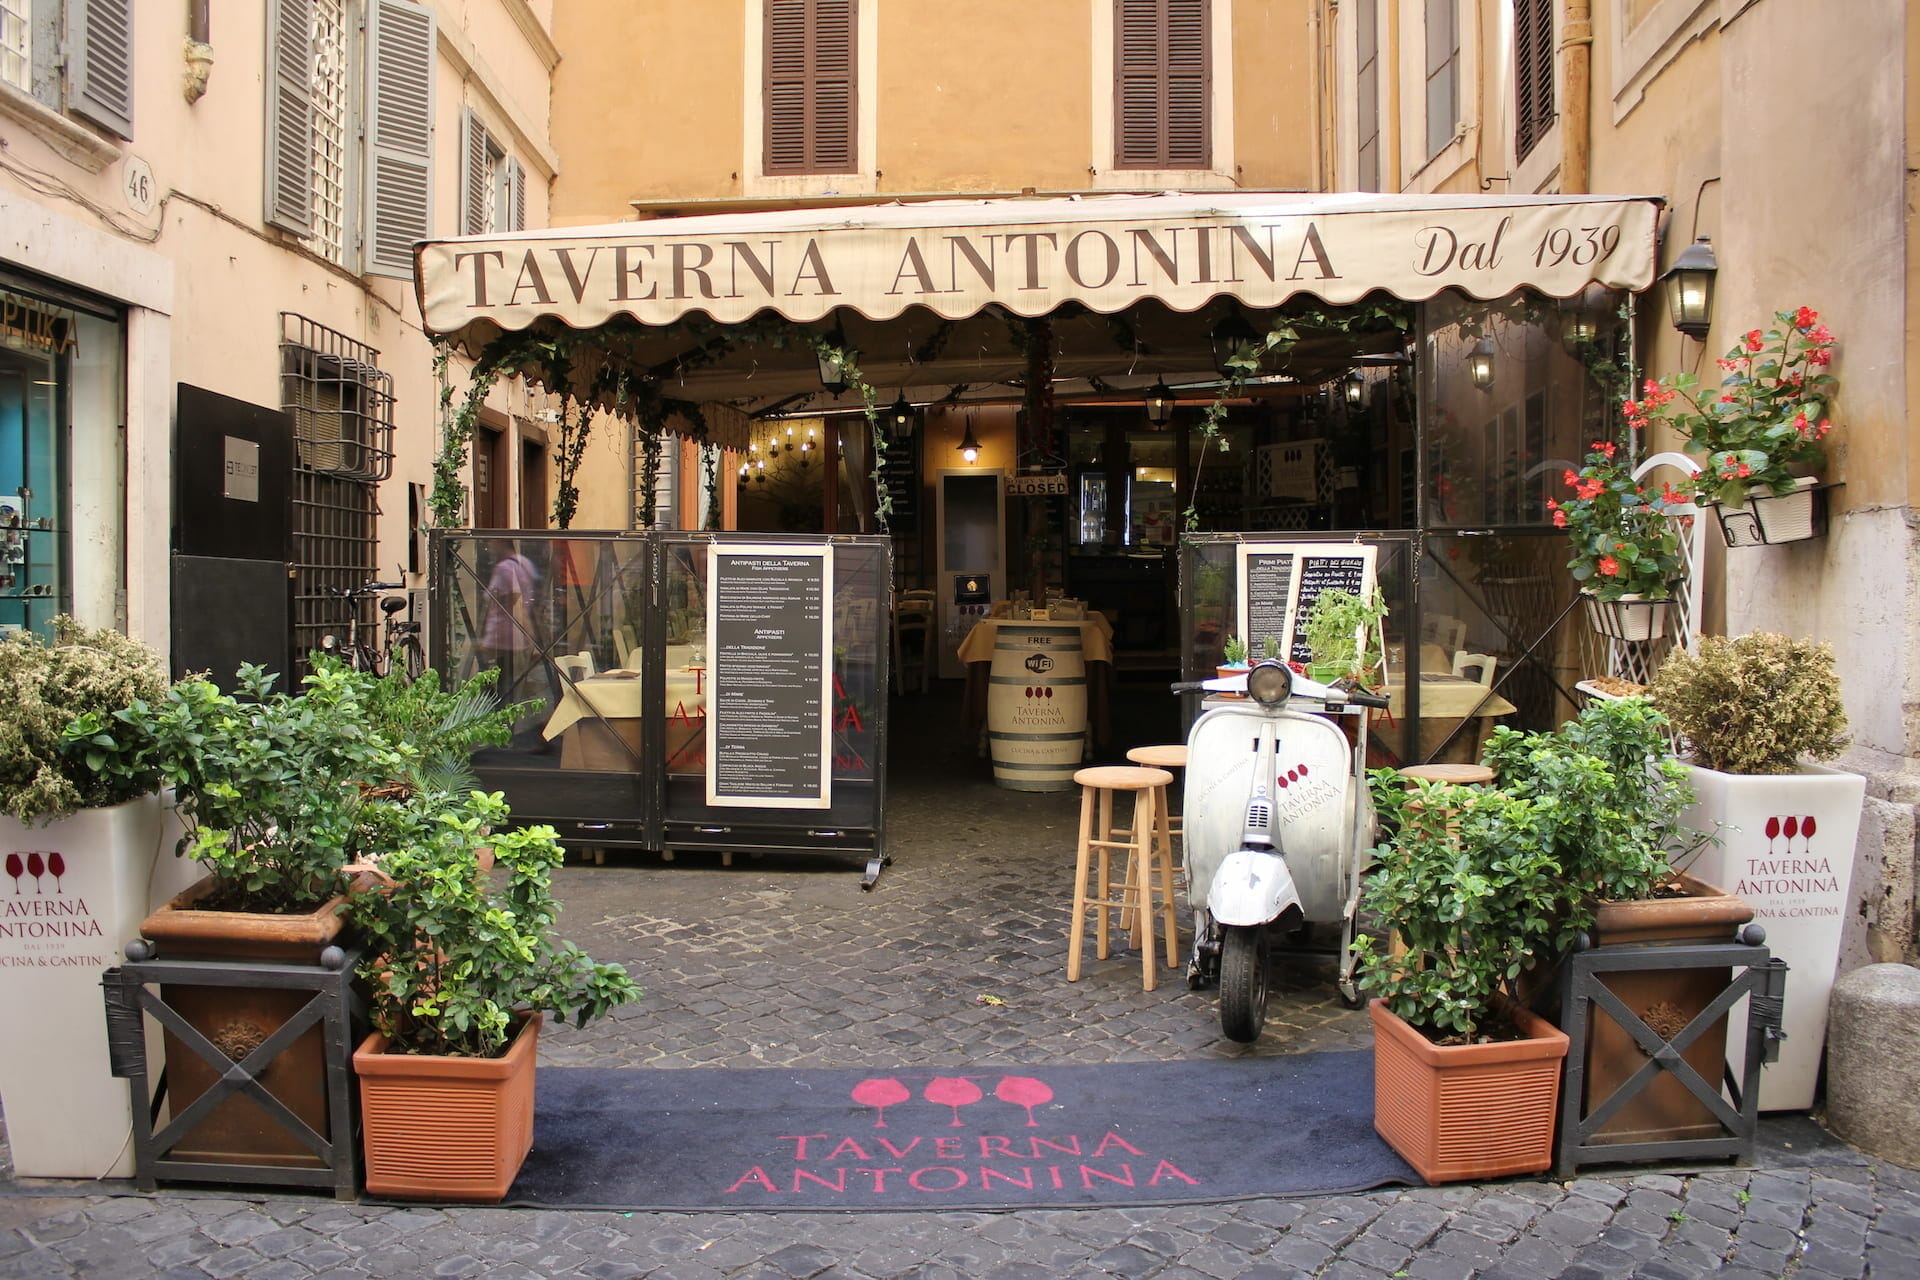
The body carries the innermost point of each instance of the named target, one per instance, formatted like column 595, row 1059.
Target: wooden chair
column 1480, row 665
column 623, row 645
column 1444, row 630
column 912, row 638
column 575, row 666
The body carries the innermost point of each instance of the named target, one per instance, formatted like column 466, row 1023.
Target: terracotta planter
column 237, row 1019
column 1224, row 673
column 446, row 1128
column 1460, row 1113
column 1666, row 1000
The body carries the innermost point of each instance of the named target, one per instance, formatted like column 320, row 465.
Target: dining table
column 597, row 718
column 1445, row 701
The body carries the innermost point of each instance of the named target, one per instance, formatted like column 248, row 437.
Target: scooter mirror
column 1269, row 683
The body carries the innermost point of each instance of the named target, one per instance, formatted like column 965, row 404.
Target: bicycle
column 400, row 648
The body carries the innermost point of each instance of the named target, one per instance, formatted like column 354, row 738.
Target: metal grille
column 666, row 485
column 16, row 49
column 330, row 130
column 342, row 410
column 333, row 549
column 341, row 402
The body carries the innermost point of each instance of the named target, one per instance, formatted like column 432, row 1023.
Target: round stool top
column 1122, row 777
column 1464, row 774
column 1172, row 756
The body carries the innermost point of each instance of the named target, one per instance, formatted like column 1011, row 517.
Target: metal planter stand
column 334, row 1006
column 1760, row 978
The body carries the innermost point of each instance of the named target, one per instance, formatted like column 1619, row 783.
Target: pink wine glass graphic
column 952, row 1091
column 16, row 869
column 58, row 866
column 880, row 1094
column 35, row 867
column 1024, row 1091
column 1773, row 833
column 1792, row 829
column 1807, row 827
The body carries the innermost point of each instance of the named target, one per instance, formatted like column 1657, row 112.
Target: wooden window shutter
column 1163, row 84
column 101, row 34
column 399, row 134
column 811, row 65
column 516, row 196
column 1532, row 73
column 290, row 116
column 474, row 192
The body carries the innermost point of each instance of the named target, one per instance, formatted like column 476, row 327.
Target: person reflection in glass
column 507, row 638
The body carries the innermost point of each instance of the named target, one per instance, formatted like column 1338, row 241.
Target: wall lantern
column 1228, row 337
column 1159, row 404
column 1690, row 288
column 969, row 447
column 833, row 374
column 902, row 415
column 1480, row 364
column 1354, row 388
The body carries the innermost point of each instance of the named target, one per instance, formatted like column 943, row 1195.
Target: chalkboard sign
column 770, row 671
column 1279, row 581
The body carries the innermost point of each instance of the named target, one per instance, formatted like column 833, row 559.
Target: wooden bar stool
column 1466, row 775
column 1148, row 883
column 1169, row 756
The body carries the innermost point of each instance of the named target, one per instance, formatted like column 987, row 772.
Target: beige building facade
column 222, row 198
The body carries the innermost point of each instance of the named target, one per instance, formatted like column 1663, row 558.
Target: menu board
column 1279, row 581
column 770, row 673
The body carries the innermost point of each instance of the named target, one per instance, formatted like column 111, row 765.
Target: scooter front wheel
column 1243, row 982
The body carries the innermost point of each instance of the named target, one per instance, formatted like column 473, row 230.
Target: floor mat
column 950, row 1138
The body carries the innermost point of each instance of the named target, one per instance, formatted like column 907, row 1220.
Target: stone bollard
column 1873, row 1061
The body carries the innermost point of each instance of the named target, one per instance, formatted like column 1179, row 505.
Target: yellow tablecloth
column 616, row 695
column 1447, row 697
column 1096, row 637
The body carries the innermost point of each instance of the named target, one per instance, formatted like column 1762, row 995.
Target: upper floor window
column 810, row 86
column 74, row 56
column 1367, row 108
column 1161, row 84
column 493, row 185
column 350, row 128
column 1443, row 74
column 1532, row 73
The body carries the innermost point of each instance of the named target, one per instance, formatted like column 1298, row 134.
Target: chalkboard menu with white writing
column 1279, row 581
column 1324, row 573
column 770, row 636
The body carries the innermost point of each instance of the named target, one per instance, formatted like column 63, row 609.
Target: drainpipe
column 1322, row 179
column 1576, row 98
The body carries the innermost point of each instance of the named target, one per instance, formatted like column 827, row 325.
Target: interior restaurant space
column 981, row 442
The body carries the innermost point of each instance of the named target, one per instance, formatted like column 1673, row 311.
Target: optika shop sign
column 882, row 261
column 929, row 1152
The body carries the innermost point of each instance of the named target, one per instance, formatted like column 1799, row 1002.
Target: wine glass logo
column 1807, row 826
column 1773, row 833
column 1024, row 1091
column 36, row 867
column 952, row 1091
column 1790, row 829
column 16, row 869
column 880, row 1094
column 57, row 868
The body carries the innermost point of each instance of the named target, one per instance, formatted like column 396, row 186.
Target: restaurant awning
column 926, row 292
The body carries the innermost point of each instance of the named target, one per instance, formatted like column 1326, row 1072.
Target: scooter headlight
column 1269, row 683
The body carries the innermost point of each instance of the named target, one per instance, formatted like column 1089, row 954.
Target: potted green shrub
column 1619, row 802
column 1466, row 1079
column 1754, row 713
column 462, row 966
column 279, row 793
column 80, row 874
column 1343, row 634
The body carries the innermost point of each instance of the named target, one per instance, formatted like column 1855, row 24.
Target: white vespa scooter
column 1277, row 824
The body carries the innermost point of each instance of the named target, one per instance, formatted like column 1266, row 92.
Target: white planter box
column 1798, row 887
column 67, row 1117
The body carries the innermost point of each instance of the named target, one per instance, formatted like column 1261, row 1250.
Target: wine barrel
column 1037, row 705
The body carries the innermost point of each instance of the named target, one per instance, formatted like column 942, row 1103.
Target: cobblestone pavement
column 788, row 963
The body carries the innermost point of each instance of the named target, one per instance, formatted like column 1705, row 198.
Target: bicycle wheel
column 407, row 655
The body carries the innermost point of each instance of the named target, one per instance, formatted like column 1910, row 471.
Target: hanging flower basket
column 1769, row 519
column 1629, row 618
